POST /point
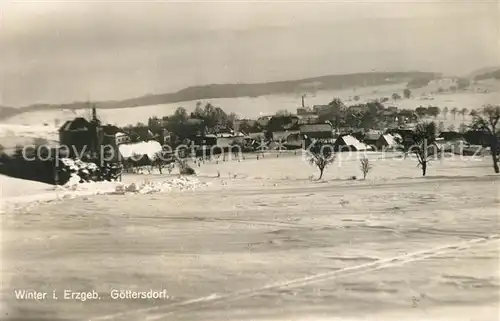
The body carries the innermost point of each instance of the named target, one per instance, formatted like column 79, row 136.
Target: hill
column 241, row 90
column 494, row 74
column 6, row 112
column 481, row 72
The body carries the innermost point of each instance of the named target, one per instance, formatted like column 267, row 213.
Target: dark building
column 85, row 138
column 317, row 131
column 79, row 135
column 450, row 135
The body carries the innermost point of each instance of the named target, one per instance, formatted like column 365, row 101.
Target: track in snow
column 161, row 312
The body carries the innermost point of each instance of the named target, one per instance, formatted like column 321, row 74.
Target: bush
column 185, row 169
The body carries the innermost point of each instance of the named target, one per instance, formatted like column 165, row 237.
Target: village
column 210, row 131
column 99, row 151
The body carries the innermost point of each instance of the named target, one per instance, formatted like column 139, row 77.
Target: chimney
column 94, row 114
column 303, row 101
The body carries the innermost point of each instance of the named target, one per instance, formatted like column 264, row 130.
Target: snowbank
column 143, row 187
column 181, row 184
column 70, row 190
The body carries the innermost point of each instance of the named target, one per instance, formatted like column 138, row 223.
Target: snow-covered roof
column 150, row 148
column 117, row 134
column 352, row 141
column 315, row 128
column 373, row 135
column 79, row 123
column 391, row 139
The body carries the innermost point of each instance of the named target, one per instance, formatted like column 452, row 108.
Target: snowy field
column 264, row 241
column 13, row 135
column 248, row 107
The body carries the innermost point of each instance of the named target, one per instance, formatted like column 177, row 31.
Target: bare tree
column 462, row 128
column 407, row 93
column 463, row 112
column 441, row 127
column 454, row 112
column 395, row 96
column 487, row 121
column 158, row 161
column 422, row 144
column 365, row 166
column 445, row 112
column 321, row 155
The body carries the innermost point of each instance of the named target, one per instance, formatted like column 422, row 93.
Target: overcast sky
column 65, row 51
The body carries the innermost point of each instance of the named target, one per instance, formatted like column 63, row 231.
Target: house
column 370, row 138
column 390, row 115
column 349, row 143
column 358, row 108
column 304, row 111
column 140, row 134
column 406, row 116
column 306, row 115
column 450, row 136
column 116, row 139
column 317, row 131
column 80, row 135
column 477, row 137
column 293, row 141
column 392, row 109
column 246, row 125
column 308, row 118
column 321, row 109
column 226, row 139
column 282, row 135
column 279, row 127
column 388, row 141
column 263, row 121
column 113, row 135
column 205, row 140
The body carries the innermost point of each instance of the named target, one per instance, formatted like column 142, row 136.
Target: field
column 269, row 105
column 266, row 241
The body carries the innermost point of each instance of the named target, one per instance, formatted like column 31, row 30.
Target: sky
column 65, row 51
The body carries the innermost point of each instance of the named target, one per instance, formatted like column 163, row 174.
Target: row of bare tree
column 422, row 143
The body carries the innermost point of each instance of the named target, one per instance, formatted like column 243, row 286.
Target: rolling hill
column 330, row 82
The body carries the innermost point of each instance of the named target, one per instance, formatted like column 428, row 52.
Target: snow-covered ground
column 266, row 241
column 33, row 130
column 13, row 135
